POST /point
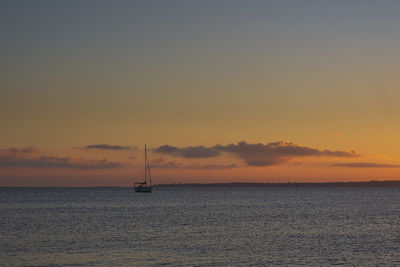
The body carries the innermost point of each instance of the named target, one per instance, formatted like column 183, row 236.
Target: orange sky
column 322, row 76
column 105, row 167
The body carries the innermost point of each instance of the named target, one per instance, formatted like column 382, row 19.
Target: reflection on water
column 200, row 226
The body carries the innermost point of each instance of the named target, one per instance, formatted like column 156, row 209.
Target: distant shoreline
column 288, row 184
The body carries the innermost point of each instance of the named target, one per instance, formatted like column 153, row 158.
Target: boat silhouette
column 146, row 186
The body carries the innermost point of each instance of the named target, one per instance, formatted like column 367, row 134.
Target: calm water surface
column 206, row 226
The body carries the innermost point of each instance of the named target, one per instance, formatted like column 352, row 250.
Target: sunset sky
column 220, row 91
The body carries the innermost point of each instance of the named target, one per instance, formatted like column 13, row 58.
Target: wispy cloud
column 57, row 162
column 255, row 154
column 177, row 165
column 211, row 166
column 365, row 165
column 109, row 147
column 26, row 157
column 14, row 150
column 161, row 163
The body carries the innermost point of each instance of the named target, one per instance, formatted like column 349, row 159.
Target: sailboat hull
column 143, row 189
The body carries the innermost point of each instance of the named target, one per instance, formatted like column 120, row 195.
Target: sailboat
column 146, row 186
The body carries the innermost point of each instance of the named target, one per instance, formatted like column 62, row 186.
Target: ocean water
column 200, row 226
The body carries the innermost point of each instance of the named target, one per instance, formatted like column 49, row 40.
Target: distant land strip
column 289, row 184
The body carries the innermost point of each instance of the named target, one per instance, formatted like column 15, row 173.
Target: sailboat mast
column 146, row 167
column 148, row 170
column 145, row 164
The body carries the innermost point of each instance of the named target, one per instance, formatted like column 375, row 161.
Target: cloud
column 365, row 165
column 211, row 167
column 58, row 162
column 23, row 157
column 255, row 154
column 158, row 160
column 190, row 152
column 161, row 163
column 177, row 165
column 277, row 152
column 109, row 147
column 167, row 165
column 14, row 150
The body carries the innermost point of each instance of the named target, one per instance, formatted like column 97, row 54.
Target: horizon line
column 238, row 184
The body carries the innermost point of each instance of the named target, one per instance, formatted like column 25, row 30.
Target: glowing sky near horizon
column 320, row 74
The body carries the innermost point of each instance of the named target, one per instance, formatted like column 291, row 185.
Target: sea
column 201, row 226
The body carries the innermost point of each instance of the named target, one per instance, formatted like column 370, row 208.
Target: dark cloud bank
column 109, row 147
column 23, row 157
column 254, row 154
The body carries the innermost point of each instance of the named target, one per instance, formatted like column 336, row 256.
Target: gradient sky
column 314, row 75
